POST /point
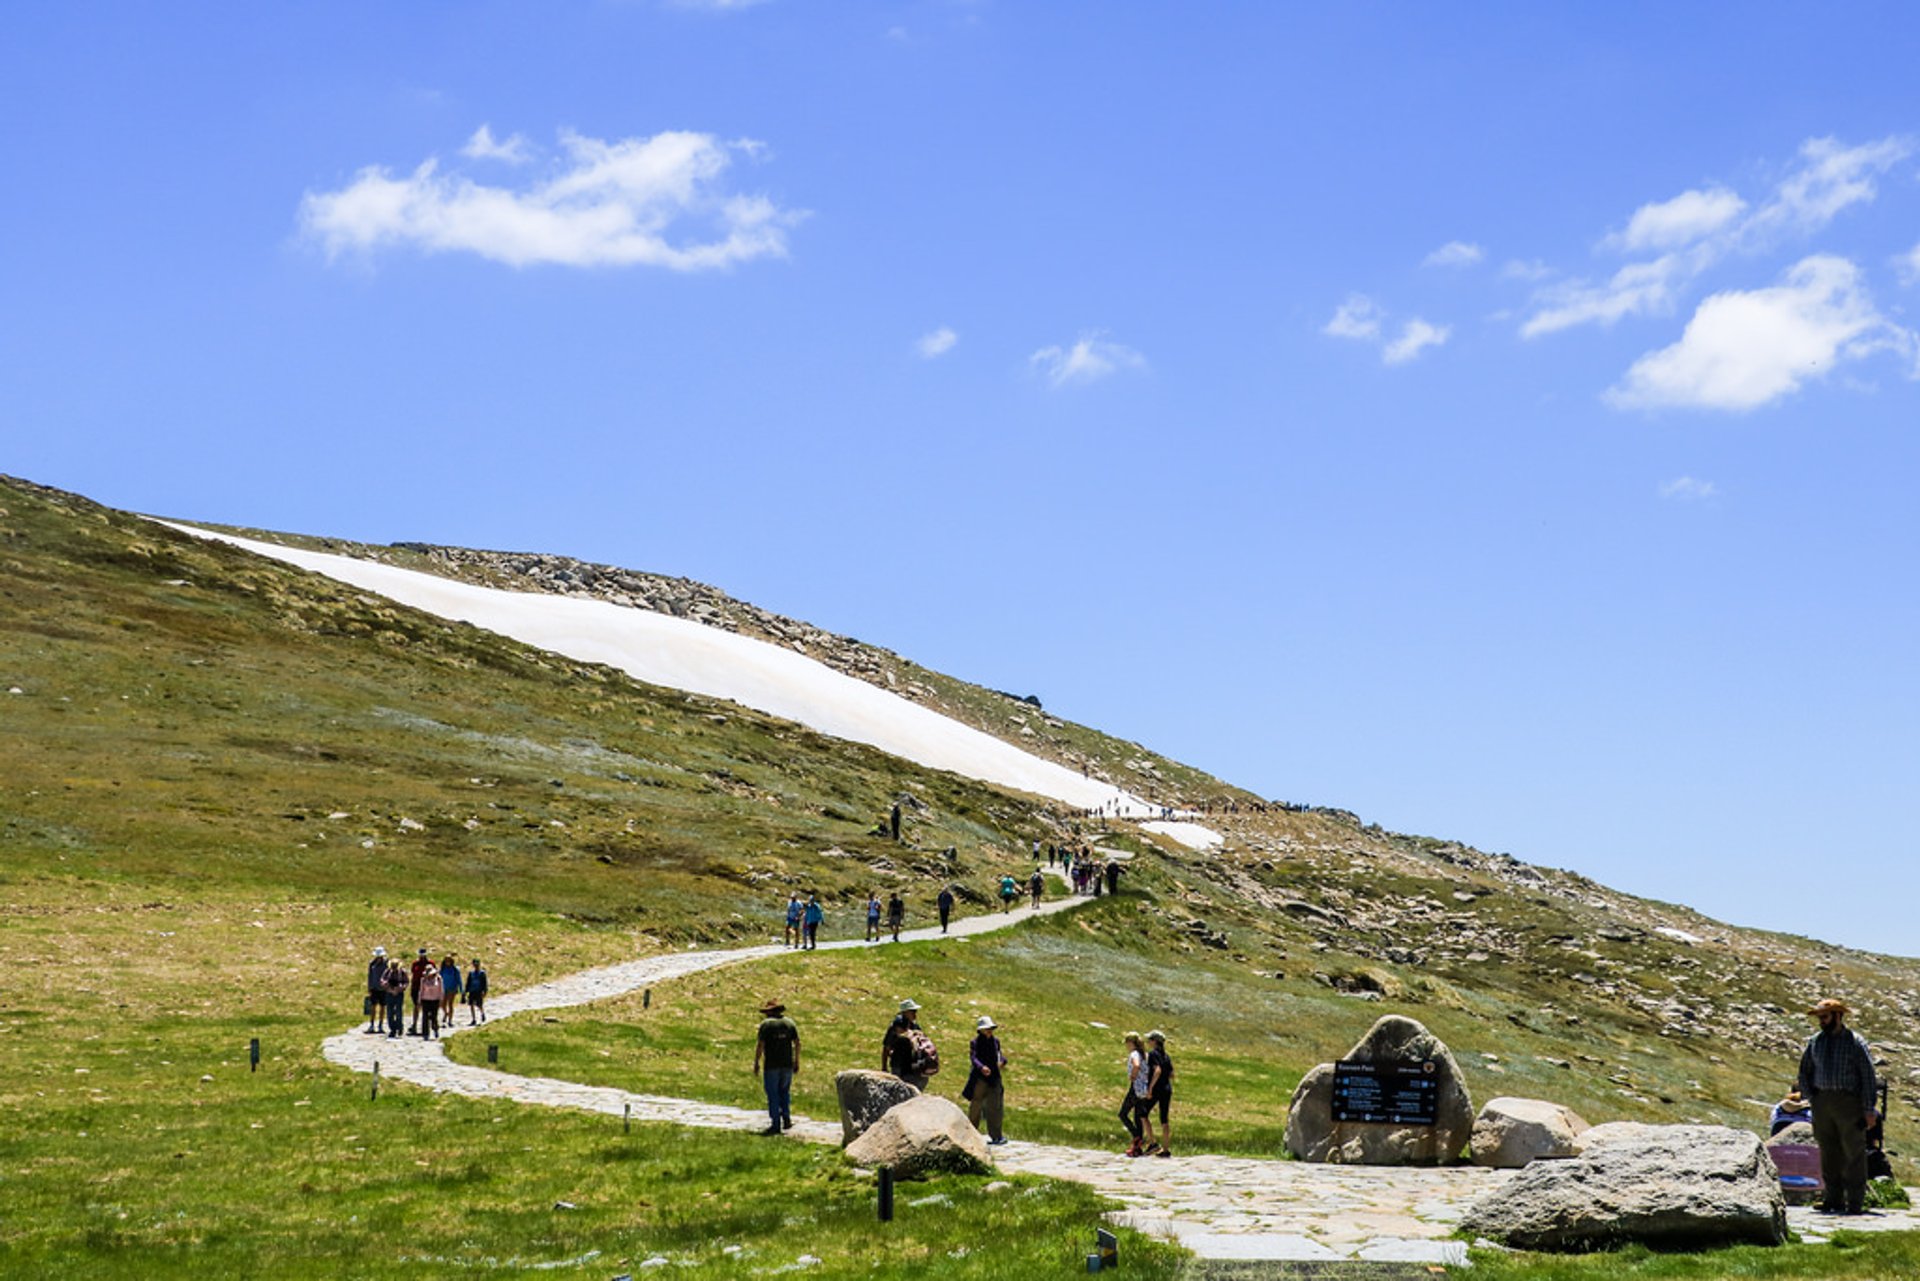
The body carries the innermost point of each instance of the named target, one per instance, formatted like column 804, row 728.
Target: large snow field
column 685, row 655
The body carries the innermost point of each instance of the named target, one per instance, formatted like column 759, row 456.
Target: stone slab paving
column 1220, row 1207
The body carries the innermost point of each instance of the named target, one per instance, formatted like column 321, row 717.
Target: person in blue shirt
column 812, row 917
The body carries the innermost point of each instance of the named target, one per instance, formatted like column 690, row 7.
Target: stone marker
column 865, row 1096
column 1510, row 1133
column 1669, row 1186
column 922, row 1136
column 1313, row 1134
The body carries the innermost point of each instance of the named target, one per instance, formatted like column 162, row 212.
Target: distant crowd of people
column 434, row 991
column 1087, row 875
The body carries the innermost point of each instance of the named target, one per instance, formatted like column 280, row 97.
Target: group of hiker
column 803, row 916
column 434, row 990
column 908, row 1052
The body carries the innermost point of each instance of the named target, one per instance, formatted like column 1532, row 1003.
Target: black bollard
column 886, row 1194
column 493, row 1054
column 376, row 1079
column 626, row 1119
column 646, row 999
column 253, row 1054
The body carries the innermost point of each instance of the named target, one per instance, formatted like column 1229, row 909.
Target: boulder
column 1667, row 1186
column 865, row 1096
column 1313, row 1135
column 1510, row 1133
column 1799, row 1134
column 922, row 1136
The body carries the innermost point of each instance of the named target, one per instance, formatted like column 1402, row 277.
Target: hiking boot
column 1162, row 1152
column 770, row 1131
column 1134, row 1150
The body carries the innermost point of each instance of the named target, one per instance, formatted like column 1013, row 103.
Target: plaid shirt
column 1839, row 1060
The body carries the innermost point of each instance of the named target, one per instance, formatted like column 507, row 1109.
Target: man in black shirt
column 1836, row 1073
column 778, row 1049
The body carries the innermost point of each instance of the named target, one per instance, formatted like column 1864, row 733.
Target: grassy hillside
column 222, row 781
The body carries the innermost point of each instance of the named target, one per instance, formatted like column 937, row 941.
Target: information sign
column 1387, row 1093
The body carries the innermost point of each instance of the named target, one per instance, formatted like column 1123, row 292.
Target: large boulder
column 1510, row 1133
column 865, row 1097
column 922, row 1136
column 1313, row 1135
column 1670, row 1186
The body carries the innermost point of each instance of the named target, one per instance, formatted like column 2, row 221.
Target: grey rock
column 1671, row 1186
column 865, row 1096
column 1313, row 1135
column 1798, row 1132
column 1510, row 1133
column 923, row 1136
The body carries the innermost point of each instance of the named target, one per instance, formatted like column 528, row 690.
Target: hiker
column 1160, row 1089
column 1096, row 876
column 946, row 906
column 394, row 989
column 985, row 1091
column 873, row 916
column 1836, row 1076
column 449, row 989
column 1034, row 885
column 1133, row 1108
column 811, row 916
column 376, row 990
column 1007, row 892
column 778, row 1048
column 792, row 936
column 421, row 964
column 476, row 993
column 907, row 1051
column 896, row 914
column 1113, row 876
column 429, row 1005
column 1789, row 1111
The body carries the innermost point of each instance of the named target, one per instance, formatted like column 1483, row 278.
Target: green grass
column 1846, row 1256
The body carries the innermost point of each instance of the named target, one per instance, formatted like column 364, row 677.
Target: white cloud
column 1357, row 317
column 1685, row 488
column 937, row 343
column 1519, row 270
column 1908, row 264
column 1669, row 224
column 1455, row 253
column 482, row 146
column 1635, row 289
column 1743, row 349
column 652, row 201
column 1415, row 337
column 1830, row 179
column 1088, row 360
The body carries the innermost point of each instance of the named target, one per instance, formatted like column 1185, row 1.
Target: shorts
column 1160, row 1100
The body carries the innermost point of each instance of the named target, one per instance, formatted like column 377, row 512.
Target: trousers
column 990, row 1099
column 779, row 1085
column 1840, row 1128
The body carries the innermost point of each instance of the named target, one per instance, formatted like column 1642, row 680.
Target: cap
column 1157, row 1035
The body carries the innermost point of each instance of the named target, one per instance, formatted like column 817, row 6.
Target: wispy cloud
column 1088, row 360
column 1516, row 269
column 1686, row 488
column 483, row 146
column 1635, row 289
column 1455, row 253
column 937, row 343
column 1358, row 317
column 656, row 201
column 1745, row 349
column 1670, row 224
column 1908, row 264
column 1415, row 337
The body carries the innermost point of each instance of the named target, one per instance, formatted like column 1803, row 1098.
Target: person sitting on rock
column 1789, row 1111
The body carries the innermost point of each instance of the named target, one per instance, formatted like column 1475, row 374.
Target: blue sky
column 1499, row 420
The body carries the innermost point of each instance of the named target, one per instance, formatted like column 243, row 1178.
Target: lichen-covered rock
column 865, row 1097
column 923, row 1136
column 1510, row 1133
column 1313, row 1135
column 1672, row 1186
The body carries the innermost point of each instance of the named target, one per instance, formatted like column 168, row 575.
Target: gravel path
column 1218, row 1206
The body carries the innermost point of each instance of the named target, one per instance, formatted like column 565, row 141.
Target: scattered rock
column 1510, row 1133
column 922, row 1136
column 865, row 1096
column 1669, row 1186
column 1313, row 1135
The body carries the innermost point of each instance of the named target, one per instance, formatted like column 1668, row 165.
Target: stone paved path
column 1218, row 1206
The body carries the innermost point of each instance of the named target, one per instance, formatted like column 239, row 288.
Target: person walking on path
column 985, row 1091
column 873, row 916
column 776, row 1057
column 377, row 990
column 1160, row 1090
column 946, row 906
column 394, row 989
column 449, row 989
column 1035, row 884
column 896, row 914
column 1836, row 1076
column 811, row 916
column 906, row 1051
column 421, row 964
column 1113, row 876
column 476, row 993
column 1133, row 1108
column 1008, row 892
column 792, row 936
column 429, row 1007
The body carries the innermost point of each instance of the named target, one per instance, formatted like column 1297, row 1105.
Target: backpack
column 925, row 1060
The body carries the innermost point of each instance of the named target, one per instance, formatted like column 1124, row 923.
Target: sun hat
column 773, row 1007
column 986, row 1024
column 909, row 1004
column 379, row 951
column 1829, row 1005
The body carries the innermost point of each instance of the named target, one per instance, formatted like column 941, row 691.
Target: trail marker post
column 626, row 1118
column 886, row 1194
column 493, row 1054
column 253, row 1054
column 376, row 1079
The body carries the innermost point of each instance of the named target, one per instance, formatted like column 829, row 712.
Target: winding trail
column 1217, row 1206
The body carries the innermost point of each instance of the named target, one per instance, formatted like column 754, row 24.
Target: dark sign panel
column 1387, row 1093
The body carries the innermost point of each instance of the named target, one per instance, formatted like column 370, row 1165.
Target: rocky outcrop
column 1313, row 1134
column 924, row 1135
column 1671, row 1186
column 1510, row 1133
column 865, row 1097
